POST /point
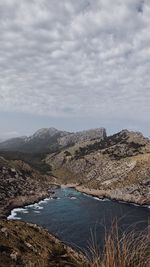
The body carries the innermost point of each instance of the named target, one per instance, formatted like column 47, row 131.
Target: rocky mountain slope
column 26, row 245
column 20, row 184
column 50, row 139
column 43, row 140
column 83, row 136
column 117, row 167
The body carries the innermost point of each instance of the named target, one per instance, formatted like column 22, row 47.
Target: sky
column 74, row 65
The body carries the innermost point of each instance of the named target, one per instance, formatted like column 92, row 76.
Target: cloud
column 75, row 58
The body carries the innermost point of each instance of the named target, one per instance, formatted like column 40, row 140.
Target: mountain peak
column 45, row 131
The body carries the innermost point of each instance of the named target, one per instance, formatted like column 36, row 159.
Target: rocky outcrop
column 20, row 184
column 119, row 165
column 23, row 245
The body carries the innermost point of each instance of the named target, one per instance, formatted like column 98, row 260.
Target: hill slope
column 23, row 244
column 20, row 184
column 117, row 167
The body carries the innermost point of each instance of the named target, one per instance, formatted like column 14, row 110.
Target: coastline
column 20, row 202
column 102, row 194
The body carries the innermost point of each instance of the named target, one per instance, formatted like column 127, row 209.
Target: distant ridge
column 50, row 139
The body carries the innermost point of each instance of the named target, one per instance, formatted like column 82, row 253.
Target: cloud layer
column 75, row 58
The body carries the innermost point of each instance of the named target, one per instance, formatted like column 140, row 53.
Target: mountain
column 49, row 139
column 41, row 141
column 13, row 143
column 117, row 166
column 83, row 136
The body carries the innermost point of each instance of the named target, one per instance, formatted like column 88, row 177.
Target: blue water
column 74, row 217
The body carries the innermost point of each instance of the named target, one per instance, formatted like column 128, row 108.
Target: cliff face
column 24, row 245
column 118, row 166
column 20, row 184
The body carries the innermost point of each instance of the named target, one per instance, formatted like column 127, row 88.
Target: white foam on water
column 98, row 199
column 136, row 205
column 13, row 215
column 73, row 198
column 44, row 201
column 101, row 199
column 40, row 208
column 25, row 211
column 30, row 206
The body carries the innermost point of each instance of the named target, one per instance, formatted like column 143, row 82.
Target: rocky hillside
column 27, row 245
column 43, row 140
column 117, row 167
column 20, row 184
column 50, row 140
column 83, row 136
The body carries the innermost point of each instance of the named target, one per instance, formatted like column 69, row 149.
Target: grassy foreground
column 129, row 250
column 27, row 245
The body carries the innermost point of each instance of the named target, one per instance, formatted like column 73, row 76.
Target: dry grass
column 129, row 250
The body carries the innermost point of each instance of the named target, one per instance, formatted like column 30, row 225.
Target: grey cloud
column 88, row 58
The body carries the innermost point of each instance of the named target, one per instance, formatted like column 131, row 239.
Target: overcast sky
column 74, row 64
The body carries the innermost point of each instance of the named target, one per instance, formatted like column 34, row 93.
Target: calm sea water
column 75, row 217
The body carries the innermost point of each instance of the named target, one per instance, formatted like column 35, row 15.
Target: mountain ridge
column 47, row 139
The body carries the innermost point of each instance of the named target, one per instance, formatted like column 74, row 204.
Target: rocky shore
column 21, row 201
column 112, row 195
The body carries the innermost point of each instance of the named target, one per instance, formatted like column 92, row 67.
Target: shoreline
column 22, row 201
column 102, row 194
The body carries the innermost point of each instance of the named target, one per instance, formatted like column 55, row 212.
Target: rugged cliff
column 117, row 167
column 20, row 184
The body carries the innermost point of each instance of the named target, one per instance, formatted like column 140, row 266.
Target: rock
column 31, row 247
column 14, row 256
column 5, row 231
